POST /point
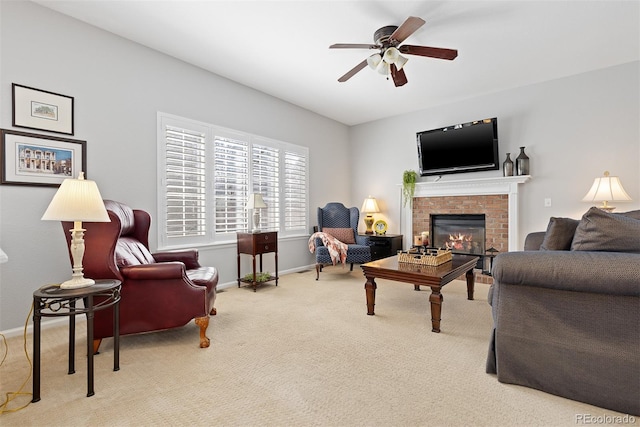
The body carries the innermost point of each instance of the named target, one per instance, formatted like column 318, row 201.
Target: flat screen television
column 465, row 147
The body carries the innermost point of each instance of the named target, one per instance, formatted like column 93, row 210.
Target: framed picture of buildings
column 40, row 160
column 42, row 110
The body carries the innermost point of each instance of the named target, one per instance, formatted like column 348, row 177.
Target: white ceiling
column 281, row 47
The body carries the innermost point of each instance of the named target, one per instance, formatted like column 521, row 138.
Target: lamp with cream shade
column 255, row 202
column 77, row 200
column 606, row 189
column 369, row 206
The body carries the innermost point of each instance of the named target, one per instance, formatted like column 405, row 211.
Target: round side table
column 52, row 301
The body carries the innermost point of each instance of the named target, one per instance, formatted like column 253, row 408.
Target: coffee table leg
column 436, row 308
column 470, row 284
column 370, row 289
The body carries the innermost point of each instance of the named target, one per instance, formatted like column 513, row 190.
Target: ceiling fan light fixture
column 388, row 60
column 391, row 55
column 383, row 68
column 374, row 60
column 400, row 61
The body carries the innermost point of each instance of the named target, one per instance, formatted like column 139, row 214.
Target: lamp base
column 368, row 221
column 256, row 221
column 77, row 282
column 77, row 253
column 606, row 207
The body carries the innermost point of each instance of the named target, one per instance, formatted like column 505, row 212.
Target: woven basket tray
column 432, row 257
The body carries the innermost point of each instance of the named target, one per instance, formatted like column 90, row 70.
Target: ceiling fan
column 388, row 60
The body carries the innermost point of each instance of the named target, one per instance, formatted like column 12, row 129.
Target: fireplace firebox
column 461, row 233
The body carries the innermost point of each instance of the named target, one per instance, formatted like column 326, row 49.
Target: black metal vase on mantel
column 522, row 163
column 507, row 166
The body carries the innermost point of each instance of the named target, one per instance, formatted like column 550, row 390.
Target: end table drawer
column 266, row 242
column 261, row 238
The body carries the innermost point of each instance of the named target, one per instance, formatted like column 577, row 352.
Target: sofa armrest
column 534, row 240
column 612, row 273
column 156, row 271
column 189, row 257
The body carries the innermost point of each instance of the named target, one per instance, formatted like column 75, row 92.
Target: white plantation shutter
column 206, row 174
column 295, row 191
column 231, row 165
column 265, row 167
column 185, row 198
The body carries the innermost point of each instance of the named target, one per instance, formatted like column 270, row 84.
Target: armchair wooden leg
column 317, row 271
column 203, row 323
column 351, row 268
column 213, row 311
column 96, row 345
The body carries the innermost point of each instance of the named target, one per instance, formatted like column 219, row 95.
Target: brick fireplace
column 495, row 198
column 495, row 208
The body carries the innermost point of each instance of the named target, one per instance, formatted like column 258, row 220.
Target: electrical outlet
column 547, row 203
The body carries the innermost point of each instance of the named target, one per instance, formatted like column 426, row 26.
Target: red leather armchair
column 159, row 291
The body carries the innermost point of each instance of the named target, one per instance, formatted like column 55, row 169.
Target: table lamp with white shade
column 77, row 200
column 255, row 202
column 369, row 206
column 606, row 189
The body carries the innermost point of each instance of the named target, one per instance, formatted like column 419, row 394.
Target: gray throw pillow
column 602, row 231
column 559, row 234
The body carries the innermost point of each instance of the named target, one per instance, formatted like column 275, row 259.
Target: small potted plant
column 409, row 178
column 260, row 277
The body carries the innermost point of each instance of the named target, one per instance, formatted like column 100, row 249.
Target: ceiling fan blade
column 399, row 78
column 407, row 28
column 353, row 71
column 354, row 46
column 431, row 52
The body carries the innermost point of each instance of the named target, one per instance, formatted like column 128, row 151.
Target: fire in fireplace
column 462, row 233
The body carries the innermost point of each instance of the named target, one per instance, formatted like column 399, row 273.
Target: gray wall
column 573, row 129
column 118, row 88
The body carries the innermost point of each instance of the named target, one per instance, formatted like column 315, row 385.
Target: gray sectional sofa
column 566, row 311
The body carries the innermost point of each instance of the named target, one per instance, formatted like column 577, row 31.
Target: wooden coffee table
column 419, row 275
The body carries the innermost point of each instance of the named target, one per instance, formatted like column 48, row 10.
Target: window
column 207, row 173
column 184, row 189
column 231, row 184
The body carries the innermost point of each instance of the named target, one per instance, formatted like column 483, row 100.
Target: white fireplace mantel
column 469, row 187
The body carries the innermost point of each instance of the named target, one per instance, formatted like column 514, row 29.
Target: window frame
column 210, row 132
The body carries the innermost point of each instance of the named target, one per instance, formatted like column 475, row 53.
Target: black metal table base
column 53, row 301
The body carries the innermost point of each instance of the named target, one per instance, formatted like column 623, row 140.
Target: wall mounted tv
column 465, row 147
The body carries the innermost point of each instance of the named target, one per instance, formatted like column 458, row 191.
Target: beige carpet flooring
column 303, row 353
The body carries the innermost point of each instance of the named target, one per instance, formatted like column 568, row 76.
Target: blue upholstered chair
column 336, row 215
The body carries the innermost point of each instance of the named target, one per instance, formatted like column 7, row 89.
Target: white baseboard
column 46, row 324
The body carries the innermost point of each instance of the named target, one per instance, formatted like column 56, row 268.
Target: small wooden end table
column 420, row 275
column 52, row 301
column 257, row 244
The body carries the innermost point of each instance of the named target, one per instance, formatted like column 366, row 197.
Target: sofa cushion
column 603, row 231
column 631, row 214
column 345, row 235
column 559, row 234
